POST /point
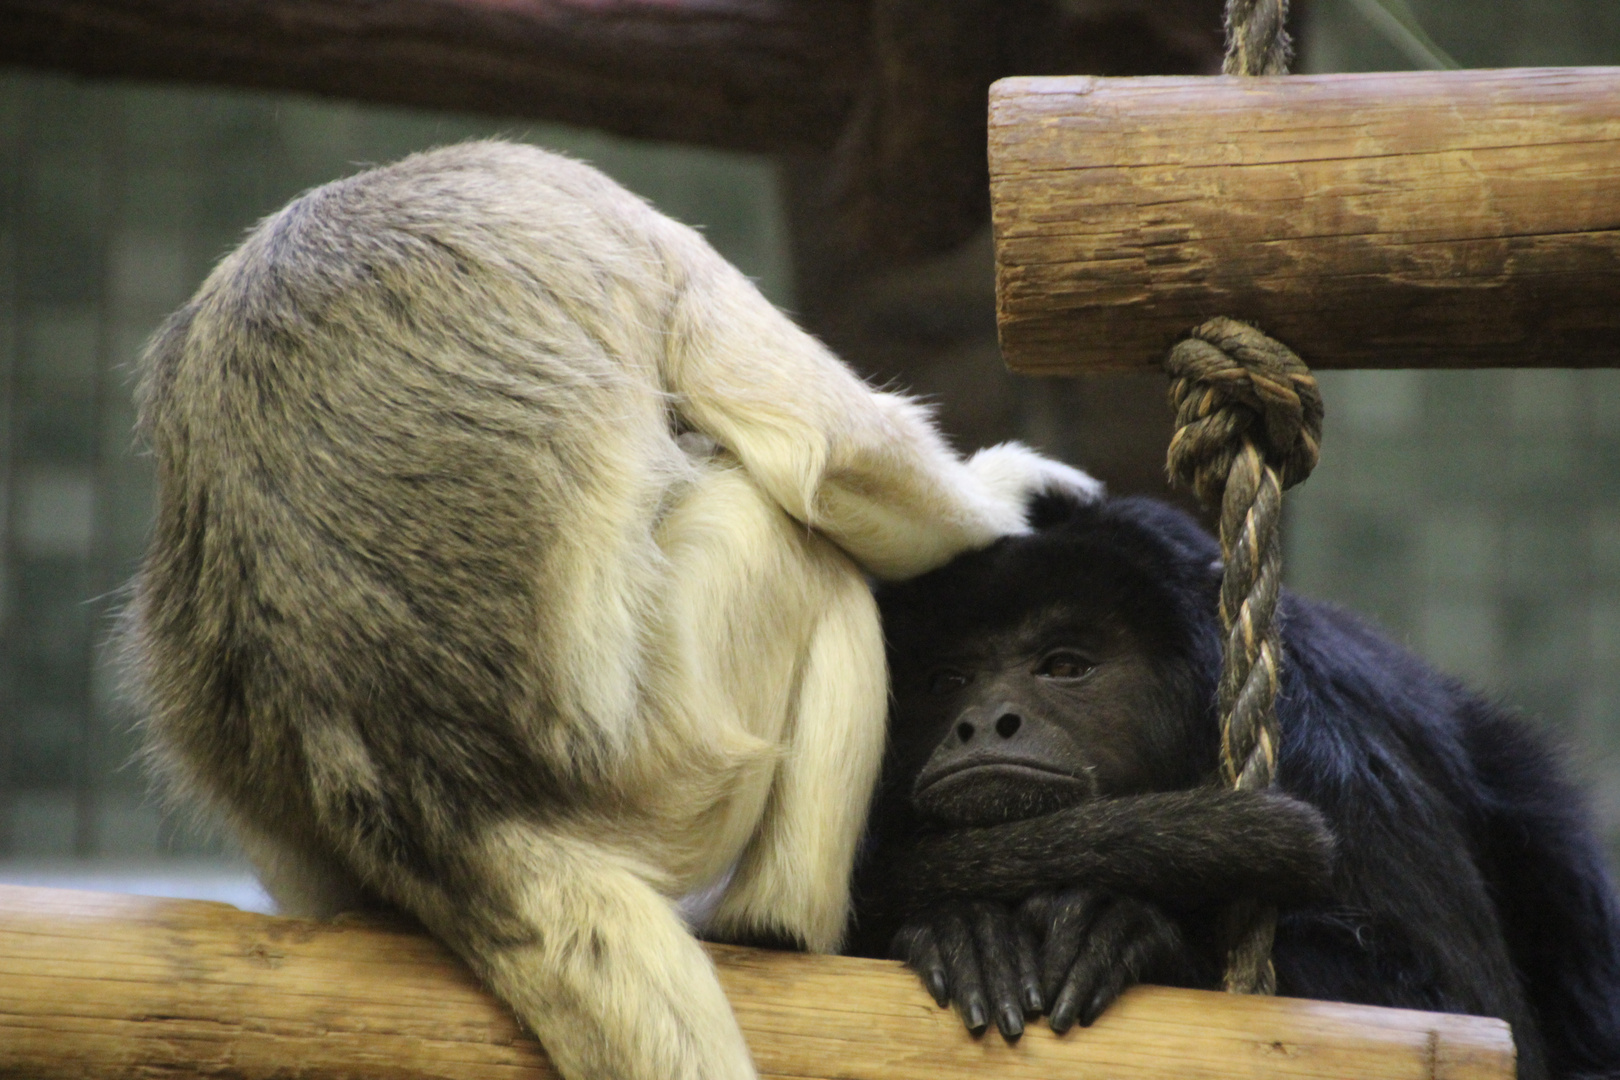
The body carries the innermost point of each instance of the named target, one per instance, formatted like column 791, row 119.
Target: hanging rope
column 1248, row 425
column 1257, row 41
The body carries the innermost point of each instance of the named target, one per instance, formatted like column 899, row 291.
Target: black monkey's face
column 1048, row 670
column 1061, row 710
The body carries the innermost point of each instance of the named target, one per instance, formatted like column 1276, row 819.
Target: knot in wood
column 1230, row 383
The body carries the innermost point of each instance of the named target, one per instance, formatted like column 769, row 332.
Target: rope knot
column 1229, row 383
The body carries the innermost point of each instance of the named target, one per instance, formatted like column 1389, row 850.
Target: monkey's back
column 1470, row 876
column 409, row 438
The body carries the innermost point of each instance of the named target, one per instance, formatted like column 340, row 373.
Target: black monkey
column 1049, row 829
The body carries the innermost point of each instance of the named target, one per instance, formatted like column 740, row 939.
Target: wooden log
column 745, row 74
column 1421, row 219
column 108, row 986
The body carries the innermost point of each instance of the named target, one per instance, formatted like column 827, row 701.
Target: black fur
column 1466, row 876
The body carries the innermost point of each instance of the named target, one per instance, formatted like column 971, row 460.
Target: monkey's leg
column 592, row 958
column 775, row 638
column 793, row 880
column 304, row 882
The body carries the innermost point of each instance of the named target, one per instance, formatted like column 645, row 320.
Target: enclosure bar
column 1414, row 219
column 110, row 986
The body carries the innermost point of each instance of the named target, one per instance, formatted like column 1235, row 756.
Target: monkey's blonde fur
column 508, row 568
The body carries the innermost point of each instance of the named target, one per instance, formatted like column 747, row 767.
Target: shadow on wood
column 111, row 986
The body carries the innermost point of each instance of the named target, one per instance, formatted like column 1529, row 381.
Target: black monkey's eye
column 1064, row 664
column 946, row 681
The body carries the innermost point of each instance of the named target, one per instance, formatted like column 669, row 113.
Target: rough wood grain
column 744, row 74
column 113, row 987
column 1422, row 219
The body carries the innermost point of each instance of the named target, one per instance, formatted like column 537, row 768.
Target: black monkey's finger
column 996, row 940
column 1072, row 914
column 962, row 964
column 1035, row 913
column 1138, row 957
column 915, row 945
column 1105, row 940
column 1103, row 970
column 1029, row 971
column 1127, row 942
column 1060, row 1017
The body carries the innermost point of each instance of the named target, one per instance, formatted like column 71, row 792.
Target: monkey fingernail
column 973, row 1016
column 937, row 987
column 1011, row 1022
column 1098, row 1005
column 1032, row 999
column 1062, row 1016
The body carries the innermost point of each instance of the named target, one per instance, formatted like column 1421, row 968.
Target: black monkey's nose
column 1007, row 725
column 1000, row 760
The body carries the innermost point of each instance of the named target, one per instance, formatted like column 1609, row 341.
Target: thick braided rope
column 1248, row 425
column 1256, row 41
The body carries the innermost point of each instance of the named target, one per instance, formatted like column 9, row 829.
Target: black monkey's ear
column 1052, row 509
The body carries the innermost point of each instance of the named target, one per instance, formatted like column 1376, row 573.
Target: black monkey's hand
column 1093, row 945
column 978, row 955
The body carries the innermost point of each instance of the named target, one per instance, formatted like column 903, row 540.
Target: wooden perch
column 1423, row 219
column 107, row 986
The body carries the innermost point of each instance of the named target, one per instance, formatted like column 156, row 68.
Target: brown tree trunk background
column 927, row 322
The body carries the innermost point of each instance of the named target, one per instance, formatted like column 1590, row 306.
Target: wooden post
column 1421, row 219
column 96, row 985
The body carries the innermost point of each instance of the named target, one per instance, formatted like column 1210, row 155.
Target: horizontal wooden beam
column 759, row 75
column 1418, row 219
column 115, row 987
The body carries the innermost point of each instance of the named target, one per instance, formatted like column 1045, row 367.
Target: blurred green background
column 1474, row 515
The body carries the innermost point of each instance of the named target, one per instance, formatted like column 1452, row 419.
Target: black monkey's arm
column 1180, row 848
